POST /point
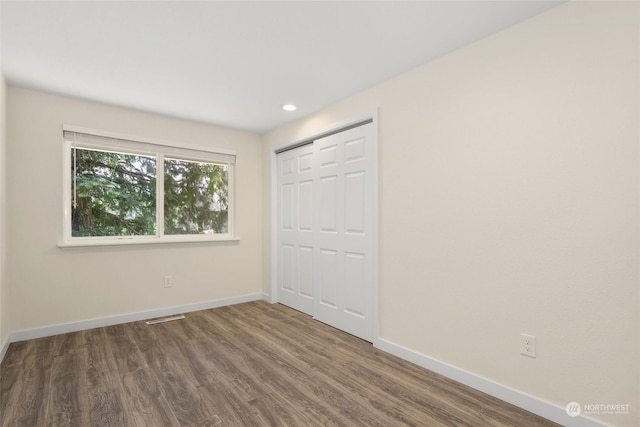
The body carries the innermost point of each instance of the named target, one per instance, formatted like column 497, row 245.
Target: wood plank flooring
column 252, row 364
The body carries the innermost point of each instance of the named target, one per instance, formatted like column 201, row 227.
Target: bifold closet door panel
column 343, row 232
column 295, row 228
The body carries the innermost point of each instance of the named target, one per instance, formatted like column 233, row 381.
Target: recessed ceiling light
column 289, row 107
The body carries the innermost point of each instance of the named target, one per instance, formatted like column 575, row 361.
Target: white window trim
column 159, row 238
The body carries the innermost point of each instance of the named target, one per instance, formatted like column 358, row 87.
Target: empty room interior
column 320, row 213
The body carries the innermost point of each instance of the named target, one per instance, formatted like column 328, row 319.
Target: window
column 113, row 193
column 196, row 197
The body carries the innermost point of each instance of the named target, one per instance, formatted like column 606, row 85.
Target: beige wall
column 49, row 285
column 509, row 179
column 4, row 326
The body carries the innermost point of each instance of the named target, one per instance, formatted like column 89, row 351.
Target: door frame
column 372, row 117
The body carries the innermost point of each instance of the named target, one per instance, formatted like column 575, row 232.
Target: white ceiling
column 235, row 63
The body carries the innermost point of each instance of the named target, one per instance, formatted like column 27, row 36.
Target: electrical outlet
column 527, row 345
column 167, row 281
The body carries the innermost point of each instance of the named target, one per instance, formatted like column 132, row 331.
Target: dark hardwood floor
column 252, row 364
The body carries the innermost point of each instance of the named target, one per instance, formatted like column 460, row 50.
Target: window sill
column 126, row 241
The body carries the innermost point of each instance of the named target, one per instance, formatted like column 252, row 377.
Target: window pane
column 114, row 194
column 196, row 197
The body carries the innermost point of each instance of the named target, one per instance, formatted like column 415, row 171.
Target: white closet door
column 344, row 174
column 295, row 228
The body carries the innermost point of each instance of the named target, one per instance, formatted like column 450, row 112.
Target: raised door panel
column 354, row 209
column 286, row 206
column 287, row 268
column 305, row 206
column 355, row 282
column 327, row 208
column 329, row 283
column 305, row 271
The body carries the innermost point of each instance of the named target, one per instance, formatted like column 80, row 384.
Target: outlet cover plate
column 527, row 345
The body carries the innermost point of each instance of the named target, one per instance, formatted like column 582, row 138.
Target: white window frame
column 143, row 146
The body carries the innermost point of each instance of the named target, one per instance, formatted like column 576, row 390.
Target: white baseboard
column 502, row 392
column 3, row 348
column 124, row 318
